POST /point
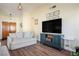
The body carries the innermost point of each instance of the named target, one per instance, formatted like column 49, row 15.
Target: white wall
column 69, row 15
column 16, row 17
column 27, row 23
column 70, row 19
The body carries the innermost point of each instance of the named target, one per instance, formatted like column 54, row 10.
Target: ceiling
column 8, row 8
column 26, row 6
column 29, row 7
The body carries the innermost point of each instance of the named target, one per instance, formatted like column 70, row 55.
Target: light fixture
column 52, row 7
column 10, row 16
column 20, row 9
column 19, row 6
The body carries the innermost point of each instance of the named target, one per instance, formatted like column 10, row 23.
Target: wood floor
column 37, row 50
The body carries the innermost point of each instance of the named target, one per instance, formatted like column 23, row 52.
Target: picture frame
column 53, row 15
column 36, row 21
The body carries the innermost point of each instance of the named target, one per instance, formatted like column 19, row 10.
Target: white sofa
column 4, row 51
column 20, row 39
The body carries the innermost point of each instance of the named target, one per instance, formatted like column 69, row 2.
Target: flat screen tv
column 52, row 26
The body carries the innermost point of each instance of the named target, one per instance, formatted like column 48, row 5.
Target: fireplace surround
column 52, row 40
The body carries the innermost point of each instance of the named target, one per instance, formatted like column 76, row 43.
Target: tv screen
column 52, row 26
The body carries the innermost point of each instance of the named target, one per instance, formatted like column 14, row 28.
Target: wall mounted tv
column 52, row 26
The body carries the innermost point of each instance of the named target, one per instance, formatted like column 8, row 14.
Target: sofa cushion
column 28, row 35
column 20, row 40
column 19, row 34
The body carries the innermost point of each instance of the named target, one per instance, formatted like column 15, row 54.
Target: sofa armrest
column 9, row 41
column 34, row 39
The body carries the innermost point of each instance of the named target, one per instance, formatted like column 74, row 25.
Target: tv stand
column 52, row 40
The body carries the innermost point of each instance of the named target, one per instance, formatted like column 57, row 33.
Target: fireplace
column 49, row 39
column 52, row 40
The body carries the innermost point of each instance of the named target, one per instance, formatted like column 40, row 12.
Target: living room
column 29, row 18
